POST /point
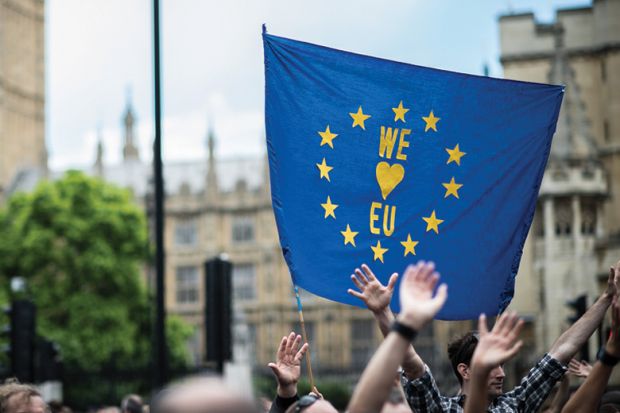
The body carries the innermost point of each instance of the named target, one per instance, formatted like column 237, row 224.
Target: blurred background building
column 22, row 90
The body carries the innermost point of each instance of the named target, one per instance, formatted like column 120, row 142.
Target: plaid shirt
column 423, row 395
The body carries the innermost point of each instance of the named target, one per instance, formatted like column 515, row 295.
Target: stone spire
column 572, row 142
column 130, row 150
column 211, row 182
column 99, row 159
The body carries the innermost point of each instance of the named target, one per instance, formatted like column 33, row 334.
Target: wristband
column 606, row 358
column 404, row 331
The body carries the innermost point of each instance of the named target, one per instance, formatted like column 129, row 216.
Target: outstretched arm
column 287, row 370
column 418, row 307
column 590, row 392
column 494, row 348
column 377, row 298
column 575, row 337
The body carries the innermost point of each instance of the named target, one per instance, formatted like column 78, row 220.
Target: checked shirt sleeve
column 422, row 393
column 530, row 394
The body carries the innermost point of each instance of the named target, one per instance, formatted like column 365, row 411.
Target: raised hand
column 613, row 282
column 497, row 346
column 375, row 295
column 287, row 367
column 579, row 368
column 613, row 343
column 418, row 306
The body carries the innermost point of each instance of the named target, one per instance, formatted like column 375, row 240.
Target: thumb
column 392, row 281
column 274, row 368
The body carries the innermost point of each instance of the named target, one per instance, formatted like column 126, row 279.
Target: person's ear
column 463, row 370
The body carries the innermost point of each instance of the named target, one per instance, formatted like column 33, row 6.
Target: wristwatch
column 606, row 358
column 404, row 331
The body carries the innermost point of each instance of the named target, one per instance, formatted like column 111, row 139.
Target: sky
column 99, row 58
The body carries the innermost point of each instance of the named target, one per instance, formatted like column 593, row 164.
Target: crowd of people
column 396, row 378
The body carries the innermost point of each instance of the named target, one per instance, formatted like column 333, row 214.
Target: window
column 362, row 343
column 187, row 285
column 185, row 232
column 244, row 282
column 243, row 229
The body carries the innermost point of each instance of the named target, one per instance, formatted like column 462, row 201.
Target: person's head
column 460, row 352
column 202, row 395
column 311, row 403
column 610, row 402
column 132, row 403
column 21, row 398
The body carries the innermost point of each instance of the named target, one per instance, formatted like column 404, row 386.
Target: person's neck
column 464, row 390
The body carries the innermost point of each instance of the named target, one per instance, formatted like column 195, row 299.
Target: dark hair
column 14, row 388
column 461, row 350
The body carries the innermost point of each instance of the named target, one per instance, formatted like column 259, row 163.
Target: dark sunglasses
column 305, row 401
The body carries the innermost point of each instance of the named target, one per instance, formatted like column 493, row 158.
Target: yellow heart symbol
column 389, row 177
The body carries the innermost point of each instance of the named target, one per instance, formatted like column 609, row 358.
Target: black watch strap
column 404, row 331
column 606, row 358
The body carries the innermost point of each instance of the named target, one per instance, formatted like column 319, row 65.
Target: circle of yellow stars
column 455, row 155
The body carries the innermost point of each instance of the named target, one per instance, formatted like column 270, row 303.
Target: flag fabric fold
column 385, row 163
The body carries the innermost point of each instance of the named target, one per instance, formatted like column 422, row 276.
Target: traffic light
column 22, row 336
column 579, row 307
column 218, row 311
column 48, row 364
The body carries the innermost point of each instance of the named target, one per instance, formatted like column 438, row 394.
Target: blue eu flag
column 385, row 163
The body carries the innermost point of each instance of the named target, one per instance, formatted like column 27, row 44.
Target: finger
column 302, row 351
column 282, row 348
column 368, row 272
column 507, row 321
column 355, row 293
column 515, row 349
column 289, row 342
column 516, row 329
column 392, row 281
column 274, row 368
column 426, row 271
column 431, row 281
column 296, row 343
column 441, row 297
column 483, row 329
column 499, row 322
column 361, row 277
column 357, row 282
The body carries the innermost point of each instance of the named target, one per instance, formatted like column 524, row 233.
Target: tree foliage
column 81, row 244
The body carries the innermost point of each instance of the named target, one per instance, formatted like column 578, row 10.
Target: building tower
column 571, row 196
column 130, row 150
column 211, row 188
column 99, row 167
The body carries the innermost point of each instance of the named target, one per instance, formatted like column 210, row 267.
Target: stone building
column 575, row 235
column 220, row 206
column 22, row 91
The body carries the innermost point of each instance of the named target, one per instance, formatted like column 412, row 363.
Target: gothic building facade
column 575, row 236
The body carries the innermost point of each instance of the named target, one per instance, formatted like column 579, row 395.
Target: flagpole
column 305, row 337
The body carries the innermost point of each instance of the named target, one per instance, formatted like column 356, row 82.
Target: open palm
column 287, row 367
column 417, row 302
column 375, row 295
column 500, row 344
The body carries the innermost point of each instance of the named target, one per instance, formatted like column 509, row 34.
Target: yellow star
column 349, row 236
column 452, row 188
column 359, row 118
column 409, row 245
column 399, row 112
column 378, row 251
column 455, row 155
column 328, row 137
column 329, row 208
column 325, row 170
column 432, row 223
column 431, row 122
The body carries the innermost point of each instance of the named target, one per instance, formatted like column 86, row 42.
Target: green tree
column 81, row 244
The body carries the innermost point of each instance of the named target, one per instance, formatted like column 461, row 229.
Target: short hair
column 132, row 403
column 11, row 388
column 461, row 350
